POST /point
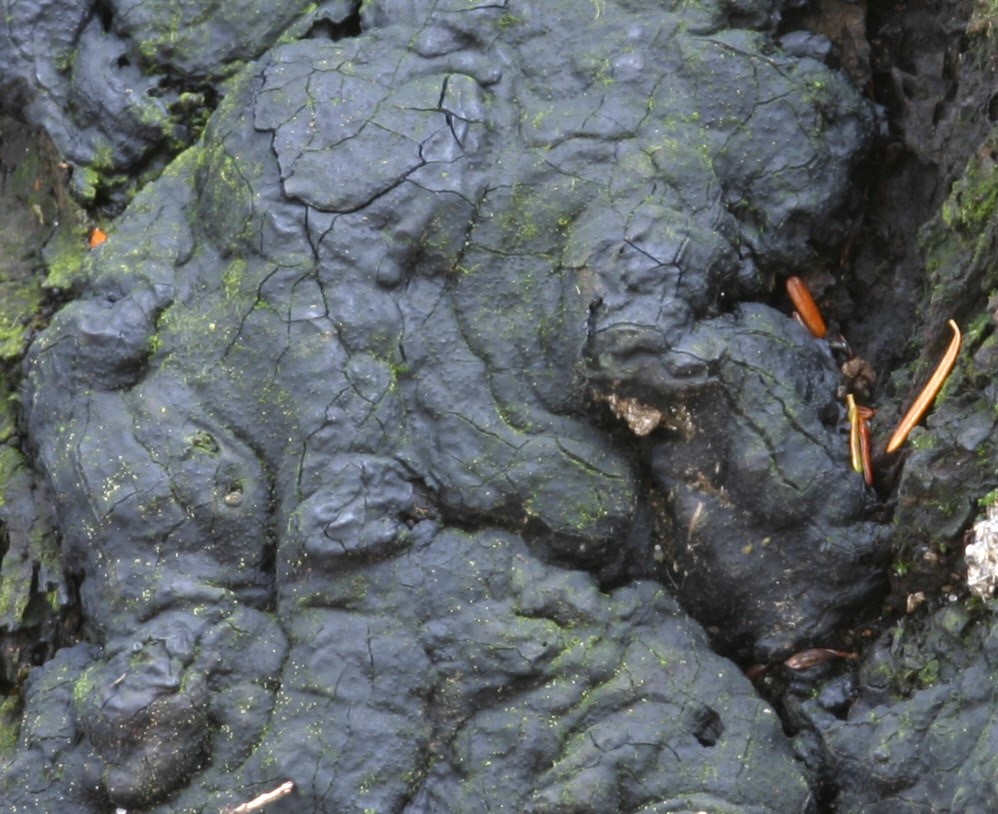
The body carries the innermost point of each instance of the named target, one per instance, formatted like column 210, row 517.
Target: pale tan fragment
column 914, row 601
column 256, row 803
column 982, row 555
column 641, row 418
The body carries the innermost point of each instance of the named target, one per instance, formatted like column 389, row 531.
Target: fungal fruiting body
column 928, row 394
column 807, row 308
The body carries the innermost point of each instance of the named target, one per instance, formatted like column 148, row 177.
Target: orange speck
column 97, row 237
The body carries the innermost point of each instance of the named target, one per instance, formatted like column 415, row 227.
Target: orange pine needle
column 860, row 455
column 866, row 413
column 928, row 394
column 801, row 297
column 97, row 237
column 865, row 451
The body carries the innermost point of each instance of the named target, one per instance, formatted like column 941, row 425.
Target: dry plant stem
column 925, row 398
column 855, row 441
column 256, row 803
column 801, row 297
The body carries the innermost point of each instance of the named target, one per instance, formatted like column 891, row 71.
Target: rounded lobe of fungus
column 806, row 307
column 928, row 394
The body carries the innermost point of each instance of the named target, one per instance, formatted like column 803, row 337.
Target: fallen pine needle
column 928, row 394
column 282, row 790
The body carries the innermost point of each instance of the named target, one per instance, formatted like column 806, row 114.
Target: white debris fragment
column 641, row 418
column 982, row 555
column 914, row 601
column 282, row 790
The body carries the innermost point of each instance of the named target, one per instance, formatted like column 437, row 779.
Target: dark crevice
column 336, row 28
column 328, row 30
column 937, row 107
column 104, row 12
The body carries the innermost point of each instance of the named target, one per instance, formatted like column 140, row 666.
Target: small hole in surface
column 707, row 726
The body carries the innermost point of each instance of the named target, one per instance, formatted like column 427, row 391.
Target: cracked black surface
column 326, row 436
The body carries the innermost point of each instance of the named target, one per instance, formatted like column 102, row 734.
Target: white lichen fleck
column 982, row 555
